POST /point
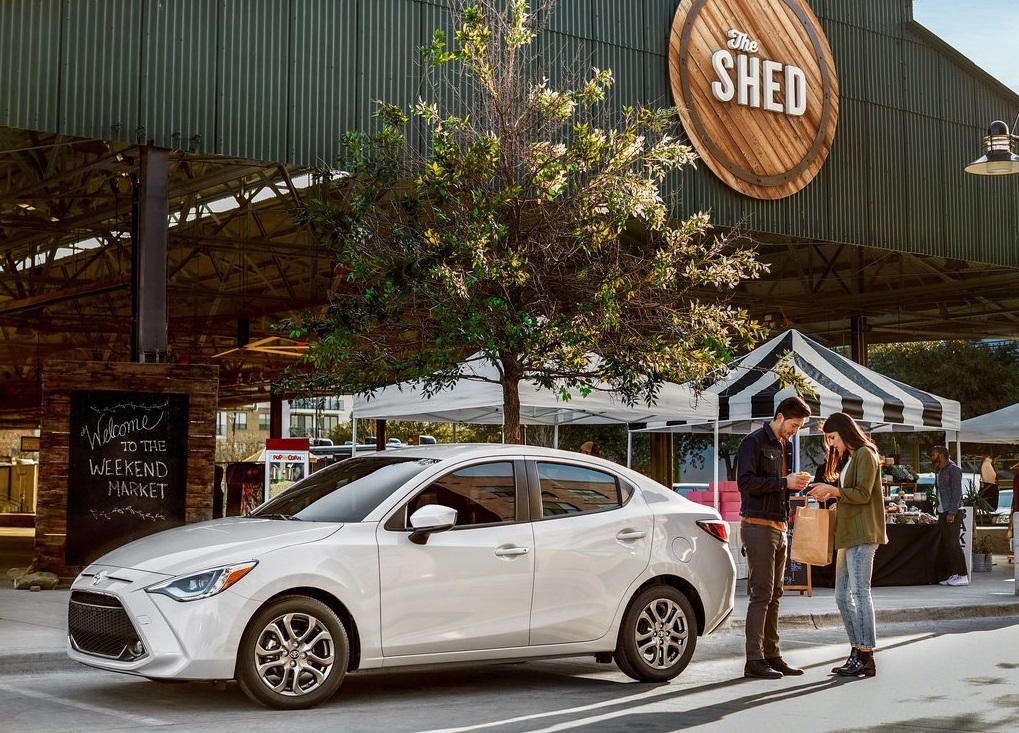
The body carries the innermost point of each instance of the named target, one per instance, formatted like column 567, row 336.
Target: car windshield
column 344, row 492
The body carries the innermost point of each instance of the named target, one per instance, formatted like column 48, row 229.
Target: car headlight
column 203, row 584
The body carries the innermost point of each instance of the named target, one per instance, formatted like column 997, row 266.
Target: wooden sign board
column 127, row 469
column 797, row 574
column 757, row 91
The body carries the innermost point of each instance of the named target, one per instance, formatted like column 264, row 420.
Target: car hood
column 207, row 544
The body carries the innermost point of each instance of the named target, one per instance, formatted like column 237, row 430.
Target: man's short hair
column 792, row 407
column 941, row 450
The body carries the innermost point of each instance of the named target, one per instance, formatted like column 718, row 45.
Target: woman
column 859, row 529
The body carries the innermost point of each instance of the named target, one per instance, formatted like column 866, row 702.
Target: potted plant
column 983, row 546
column 982, row 509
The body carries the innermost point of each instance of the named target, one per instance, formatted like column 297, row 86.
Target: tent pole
column 353, row 434
column 555, row 435
column 715, row 431
column 629, row 449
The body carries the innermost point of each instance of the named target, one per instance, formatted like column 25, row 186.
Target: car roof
column 465, row 450
column 459, row 451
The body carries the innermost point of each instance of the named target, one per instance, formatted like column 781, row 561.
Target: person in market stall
column 948, row 484
column 764, row 477
column 590, row 448
column 859, row 530
column 989, row 481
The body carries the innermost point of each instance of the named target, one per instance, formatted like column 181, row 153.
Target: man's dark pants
column 951, row 545
column 765, row 550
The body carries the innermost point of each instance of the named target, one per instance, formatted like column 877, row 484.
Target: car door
column 592, row 541
column 466, row 588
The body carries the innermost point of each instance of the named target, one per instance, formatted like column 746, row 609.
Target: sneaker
column 948, row 580
column 958, row 580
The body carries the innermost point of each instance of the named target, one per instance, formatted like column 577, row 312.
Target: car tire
column 658, row 635
column 293, row 654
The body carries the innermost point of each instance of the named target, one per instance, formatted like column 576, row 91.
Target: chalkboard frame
column 797, row 574
column 127, row 468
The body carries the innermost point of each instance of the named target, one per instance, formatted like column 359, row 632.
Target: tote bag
column 813, row 535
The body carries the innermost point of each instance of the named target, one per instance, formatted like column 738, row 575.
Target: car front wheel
column 658, row 635
column 293, row 654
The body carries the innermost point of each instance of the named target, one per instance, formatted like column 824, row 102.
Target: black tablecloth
column 911, row 557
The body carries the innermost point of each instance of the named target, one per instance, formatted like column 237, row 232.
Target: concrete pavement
column 33, row 624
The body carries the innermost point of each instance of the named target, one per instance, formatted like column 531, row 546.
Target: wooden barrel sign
column 757, row 92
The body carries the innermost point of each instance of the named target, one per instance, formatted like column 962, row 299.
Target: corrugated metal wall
column 283, row 79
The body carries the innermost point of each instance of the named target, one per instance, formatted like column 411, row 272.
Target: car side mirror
column 431, row 518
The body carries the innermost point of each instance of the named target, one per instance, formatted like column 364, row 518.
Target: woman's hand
column 824, row 492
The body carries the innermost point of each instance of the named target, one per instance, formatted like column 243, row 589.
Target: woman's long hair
column 833, row 464
column 848, row 430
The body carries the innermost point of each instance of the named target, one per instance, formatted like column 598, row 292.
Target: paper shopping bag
column 813, row 535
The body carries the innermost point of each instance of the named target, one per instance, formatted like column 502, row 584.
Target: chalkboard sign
column 127, row 469
column 797, row 574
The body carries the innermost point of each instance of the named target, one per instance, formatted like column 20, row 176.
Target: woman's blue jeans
column 854, row 567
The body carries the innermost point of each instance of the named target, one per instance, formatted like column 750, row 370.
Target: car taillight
column 716, row 528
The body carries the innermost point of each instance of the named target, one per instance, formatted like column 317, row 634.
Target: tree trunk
column 513, row 431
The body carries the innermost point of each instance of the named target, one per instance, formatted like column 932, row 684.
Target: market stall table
column 911, row 557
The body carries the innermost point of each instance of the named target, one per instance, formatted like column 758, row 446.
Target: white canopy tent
column 477, row 398
column 1000, row 426
column 748, row 396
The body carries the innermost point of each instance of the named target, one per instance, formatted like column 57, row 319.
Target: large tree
column 515, row 219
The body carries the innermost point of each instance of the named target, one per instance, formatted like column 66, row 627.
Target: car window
column 484, row 493
column 568, row 489
column 346, row 491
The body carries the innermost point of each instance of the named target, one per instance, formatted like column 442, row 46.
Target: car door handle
column 631, row 534
column 511, row 551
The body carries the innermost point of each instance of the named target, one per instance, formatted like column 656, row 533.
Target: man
column 764, row 478
column 948, row 483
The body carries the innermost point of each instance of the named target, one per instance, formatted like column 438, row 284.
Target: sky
column 986, row 31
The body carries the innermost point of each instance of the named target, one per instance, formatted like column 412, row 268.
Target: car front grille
column 98, row 624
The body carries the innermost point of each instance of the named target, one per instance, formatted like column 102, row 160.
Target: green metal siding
column 253, row 79
column 178, row 87
column 326, row 86
column 283, row 79
column 101, row 53
column 29, row 70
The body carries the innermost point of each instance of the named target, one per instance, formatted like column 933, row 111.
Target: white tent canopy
column 477, row 398
column 747, row 397
column 1000, row 426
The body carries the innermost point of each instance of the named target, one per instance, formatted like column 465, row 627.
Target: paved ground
column 33, row 624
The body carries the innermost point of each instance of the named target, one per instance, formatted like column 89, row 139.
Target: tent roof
column 475, row 400
column 748, row 396
column 1000, row 426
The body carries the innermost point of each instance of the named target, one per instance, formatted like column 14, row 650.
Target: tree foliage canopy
column 515, row 219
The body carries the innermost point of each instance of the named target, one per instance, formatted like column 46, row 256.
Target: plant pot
column 982, row 562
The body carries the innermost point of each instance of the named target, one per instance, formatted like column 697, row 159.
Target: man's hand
column 950, row 517
column 797, row 481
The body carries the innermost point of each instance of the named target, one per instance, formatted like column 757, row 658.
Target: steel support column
column 148, row 280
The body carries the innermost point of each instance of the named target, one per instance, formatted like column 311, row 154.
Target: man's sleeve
column 747, row 478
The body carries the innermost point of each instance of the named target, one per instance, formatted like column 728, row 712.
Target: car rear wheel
column 658, row 635
column 293, row 655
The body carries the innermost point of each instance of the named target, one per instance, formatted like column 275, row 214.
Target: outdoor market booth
column 477, row 398
column 1000, row 427
column 747, row 399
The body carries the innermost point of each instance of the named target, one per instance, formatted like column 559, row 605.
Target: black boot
column 863, row 667
column 760, row 669
column 853, row 655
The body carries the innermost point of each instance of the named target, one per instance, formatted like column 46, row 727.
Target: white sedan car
column 425, row 555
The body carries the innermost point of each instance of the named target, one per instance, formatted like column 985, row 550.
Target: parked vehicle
column 684, row 488
column 1004, row 508
column 430, row 554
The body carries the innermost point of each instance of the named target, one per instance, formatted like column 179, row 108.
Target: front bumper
column 113, row 624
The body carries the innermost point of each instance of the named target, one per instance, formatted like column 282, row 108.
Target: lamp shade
column 998, row 158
